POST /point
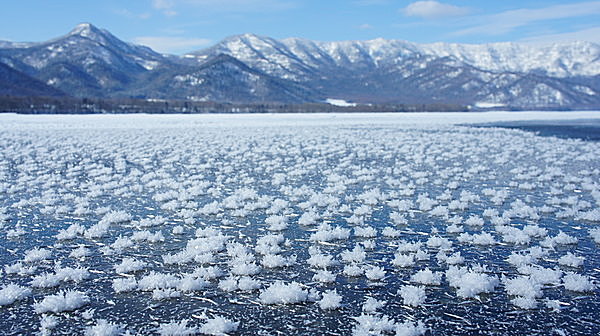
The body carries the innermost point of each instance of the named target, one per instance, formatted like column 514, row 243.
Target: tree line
column 70, row 105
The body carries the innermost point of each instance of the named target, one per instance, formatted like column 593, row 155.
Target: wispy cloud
column 508, row 21
column 365, row 26
column 165, row 6
column 589, row 34
column 370, row 2
column 170, row 7
column 172, row 44
column 433, row 10
column 131, row 15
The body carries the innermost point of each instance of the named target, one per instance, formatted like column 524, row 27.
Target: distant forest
column 68, row 105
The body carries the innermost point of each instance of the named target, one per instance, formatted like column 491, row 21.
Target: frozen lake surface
column 319, row 224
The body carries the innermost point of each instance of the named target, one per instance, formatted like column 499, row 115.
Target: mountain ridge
column 587, row 63
column 248, row 68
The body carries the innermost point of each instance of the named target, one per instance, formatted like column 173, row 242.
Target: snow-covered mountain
column 248, row 68
column 16, row 83
column 85, row 62
column 379, row 70
column 557, row 60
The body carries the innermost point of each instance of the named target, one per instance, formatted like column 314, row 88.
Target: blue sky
column 178, row 26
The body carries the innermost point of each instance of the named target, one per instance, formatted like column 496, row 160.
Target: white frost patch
column 19, row 268
column 281, row 293
column 121, row 285
column 356, row 255
column 365, row 232
column 578, row 283
column 328, row 233
column 167, row 293
column 176, row 329
column 80, row 252
column 130, row 265
column 539, row 274
column 592, row 215
column 524, row 302
column 560, row 239
column 61, row 274
column 353, row 270
column 104, row 328
column 412, row 295
column 275, row 261
column 11, row 293
column 524, row 286
column 244, row 283
column 371, row 305
column 410, row 328
column 218, row 326
column 330, row 300
column 37, row 254
column 427, row 277
column 318, row 259
column 63, row 301
column 373, row 325
column 375, row 273
column 324, row 276
column 47, row 323
column 157, row 280
column 571, row 260
column 470, row 283
column 484, row 238
column 595, row 234
column 403, row 260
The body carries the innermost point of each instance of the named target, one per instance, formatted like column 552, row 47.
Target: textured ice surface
column 336, row 224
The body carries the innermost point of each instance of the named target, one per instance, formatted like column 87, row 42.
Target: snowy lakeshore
column 305, row 224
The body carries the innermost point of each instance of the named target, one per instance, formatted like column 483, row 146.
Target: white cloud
column 505, row 22
column 365, row 26
column 433, row 9
column 590, row 35
column 172, row 45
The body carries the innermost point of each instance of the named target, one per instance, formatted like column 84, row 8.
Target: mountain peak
column 247, row 38
column 89, row 31
column 84, row 29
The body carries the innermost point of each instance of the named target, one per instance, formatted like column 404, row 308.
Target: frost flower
column 331, row 300
column 281, row 293
column 11, row 293
column 63, row 301
column 412, row 295
column 218, row 326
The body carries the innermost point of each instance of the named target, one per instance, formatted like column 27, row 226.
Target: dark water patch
column 584, row 129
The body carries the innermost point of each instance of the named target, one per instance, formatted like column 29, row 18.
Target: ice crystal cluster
column 303, row 225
